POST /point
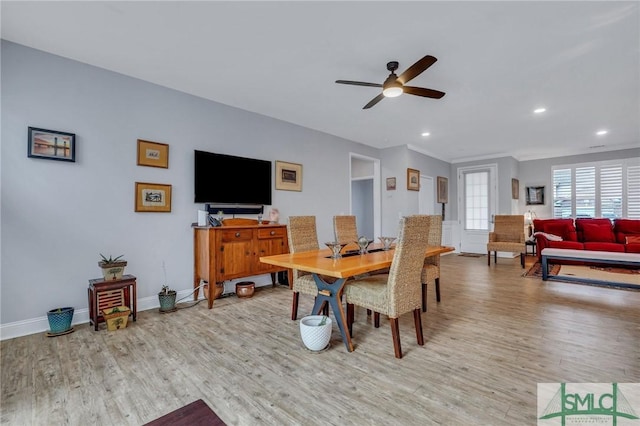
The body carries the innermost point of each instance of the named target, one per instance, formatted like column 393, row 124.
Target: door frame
column 377, row 198
column 477, row 238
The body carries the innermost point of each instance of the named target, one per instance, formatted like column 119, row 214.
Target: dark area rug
column 612, row 274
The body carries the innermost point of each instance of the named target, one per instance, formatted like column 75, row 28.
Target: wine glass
column 363, row 243
column 335, row 247
column 387, row 242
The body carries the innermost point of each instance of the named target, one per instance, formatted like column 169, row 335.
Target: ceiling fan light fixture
column 392, row 91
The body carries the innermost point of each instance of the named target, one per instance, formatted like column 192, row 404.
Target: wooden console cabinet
column 228, row 252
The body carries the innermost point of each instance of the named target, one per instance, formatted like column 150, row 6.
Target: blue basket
column 60, row 319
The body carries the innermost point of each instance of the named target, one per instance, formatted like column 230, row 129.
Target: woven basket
column 116, row 320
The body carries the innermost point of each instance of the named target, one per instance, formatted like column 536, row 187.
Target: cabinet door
column 270, row 241
column 236, row 253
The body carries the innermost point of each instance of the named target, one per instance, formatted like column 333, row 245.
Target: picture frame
column 288, row 176
column 535, row 195
column 51, row 145
column 443, row 189
column 391, row 184
column 153, row 154
column 413, row 180
column 515, row 189
column 153, row 197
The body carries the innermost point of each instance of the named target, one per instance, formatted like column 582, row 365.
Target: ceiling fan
column 395, row 86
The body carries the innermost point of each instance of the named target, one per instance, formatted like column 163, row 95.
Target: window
column 603, row 189
column 476, row 196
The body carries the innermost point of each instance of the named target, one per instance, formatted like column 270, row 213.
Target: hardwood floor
column 494, row 336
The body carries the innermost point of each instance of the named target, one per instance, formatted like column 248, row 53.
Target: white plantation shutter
column 476, row 193
column 611, row 191
column 585, row 192
column 562, row 200
column 603, row 189
column 633, row 192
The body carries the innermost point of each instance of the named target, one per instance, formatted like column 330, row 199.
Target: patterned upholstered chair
column 431, row 268
column 398, row 292
column 302, row 236
column 507, row 235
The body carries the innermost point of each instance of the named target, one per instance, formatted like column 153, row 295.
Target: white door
column 426, row 198
column 477, row 198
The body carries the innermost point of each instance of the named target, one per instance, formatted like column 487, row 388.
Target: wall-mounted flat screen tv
column 227, row 179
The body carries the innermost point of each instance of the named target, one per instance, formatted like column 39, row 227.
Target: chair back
column 345, row 229
column 302, row 235
column 434, row 237
column 404, row 289
column 509, row 228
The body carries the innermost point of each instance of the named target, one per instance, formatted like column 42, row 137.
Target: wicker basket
column 116, row 317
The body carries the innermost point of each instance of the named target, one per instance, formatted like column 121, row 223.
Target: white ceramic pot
column 314, row 336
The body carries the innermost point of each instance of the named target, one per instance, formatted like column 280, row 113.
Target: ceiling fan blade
column 374, row 101
column 420, row 91
column 359, row 83
column 416, row 69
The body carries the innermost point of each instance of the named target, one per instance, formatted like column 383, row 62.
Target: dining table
column 331, row 274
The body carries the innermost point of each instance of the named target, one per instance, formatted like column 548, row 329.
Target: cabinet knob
column 237, row 234
column 273, row 232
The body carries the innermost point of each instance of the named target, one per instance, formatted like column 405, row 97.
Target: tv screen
column 227, row 179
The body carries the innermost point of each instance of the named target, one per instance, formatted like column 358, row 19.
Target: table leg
column 331, row 293
column 545, row 269
column 134, row 301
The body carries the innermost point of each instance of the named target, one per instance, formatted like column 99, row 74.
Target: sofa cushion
column 562, row 227
column 575, row 245
column 592, row 232
column 581, row 222
column 632, row 248
column 599, row 246
column 624, row 227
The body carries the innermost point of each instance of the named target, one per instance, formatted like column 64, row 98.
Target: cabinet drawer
column 237, row 235
column 272, row 233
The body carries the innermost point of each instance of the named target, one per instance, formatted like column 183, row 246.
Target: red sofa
column 623, row 235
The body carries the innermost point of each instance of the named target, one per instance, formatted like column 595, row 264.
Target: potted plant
column 60, row 321
column 167, row 299
column 116, row 317
column 315, row 331
column 112, row 267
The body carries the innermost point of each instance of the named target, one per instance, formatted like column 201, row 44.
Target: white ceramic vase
column 315, row 336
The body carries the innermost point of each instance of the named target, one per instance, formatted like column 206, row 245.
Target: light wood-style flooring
column 494, row 336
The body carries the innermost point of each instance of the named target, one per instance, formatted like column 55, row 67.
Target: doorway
column 477, row 204
column 365, row 199
column 426, row 196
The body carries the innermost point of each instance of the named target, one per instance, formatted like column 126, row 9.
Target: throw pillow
column 559, row 229
column 550, row 237
column 632, row 239
column 598, row 233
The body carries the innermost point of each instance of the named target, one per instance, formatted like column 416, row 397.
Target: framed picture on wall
column 288, row 176
column 391, row 183
column 515, row 189
column 413, row 180
column 153, row 197
column 443, row 190
column 535, row 195
column 51, row 145
column 153, row 154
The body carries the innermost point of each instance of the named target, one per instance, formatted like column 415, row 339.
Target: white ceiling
column 497, row 61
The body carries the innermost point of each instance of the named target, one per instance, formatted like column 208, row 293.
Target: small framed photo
column 288, row 176
column 413, row 180
column 51, row 145
column 535, row 195
column 391, row 184
column 153, row 154
column 153, row 197
column 443, row 190
column 515, row 189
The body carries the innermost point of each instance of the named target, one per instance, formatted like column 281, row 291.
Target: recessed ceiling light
column 539, row 110
column 425, row 134
column 602, row 132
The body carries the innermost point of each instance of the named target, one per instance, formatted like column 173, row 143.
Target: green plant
column 324, row 321
column 111, row 260
column 166, row 290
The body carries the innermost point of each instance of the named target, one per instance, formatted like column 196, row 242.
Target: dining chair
column 507, row 235
column 431, row 268
column 345, row 230
column 303, row 236
column 398, row 292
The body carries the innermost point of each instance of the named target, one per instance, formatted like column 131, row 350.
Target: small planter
column 167, row 301
column 116, row 317
column 315, row 334
column 245, row 288
column 112, row 271
column 60, row 321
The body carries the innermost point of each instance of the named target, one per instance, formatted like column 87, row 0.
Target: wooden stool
column 107, row 294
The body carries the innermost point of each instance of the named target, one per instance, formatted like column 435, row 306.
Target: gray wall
column 56, row 217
